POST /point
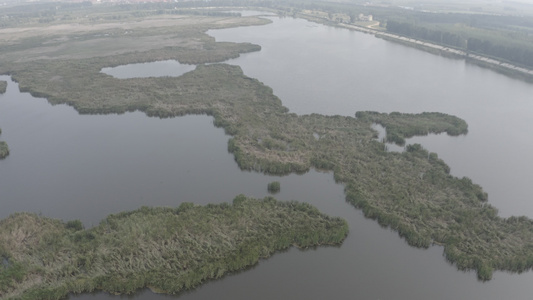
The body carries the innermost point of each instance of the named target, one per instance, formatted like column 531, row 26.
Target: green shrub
column 274, row 187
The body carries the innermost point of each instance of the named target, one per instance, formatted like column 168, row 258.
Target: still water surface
column 163, row 68
column 84, row 167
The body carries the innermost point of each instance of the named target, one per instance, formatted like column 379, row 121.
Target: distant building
column 365, row 18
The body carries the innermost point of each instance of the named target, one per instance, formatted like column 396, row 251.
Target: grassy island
column 3, row 86
column 4, row 150
column 410, row 192
column 166, row 249
column 400, row 126
column 274, row 187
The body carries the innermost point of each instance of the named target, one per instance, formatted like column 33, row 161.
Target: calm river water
column 68, row 166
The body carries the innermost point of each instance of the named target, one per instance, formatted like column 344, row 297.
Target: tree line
column 473, row 37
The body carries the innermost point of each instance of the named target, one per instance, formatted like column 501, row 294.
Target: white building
column 365, row 18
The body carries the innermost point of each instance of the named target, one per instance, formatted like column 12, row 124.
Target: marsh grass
column 410, row 192
column 274, row 187
column 400, row 126
column 4, row 149
column 167, row 249
column 3, row 86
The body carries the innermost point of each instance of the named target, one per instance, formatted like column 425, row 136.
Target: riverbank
column 169, row 250
column 499, row 66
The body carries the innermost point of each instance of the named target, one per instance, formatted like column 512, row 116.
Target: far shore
column 507, row 68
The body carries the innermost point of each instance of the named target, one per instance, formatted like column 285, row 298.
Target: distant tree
column 353, row 17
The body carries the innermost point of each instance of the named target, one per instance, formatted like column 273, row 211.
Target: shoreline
column 487, row 62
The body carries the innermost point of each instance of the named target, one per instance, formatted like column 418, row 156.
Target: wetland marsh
column 345, row 145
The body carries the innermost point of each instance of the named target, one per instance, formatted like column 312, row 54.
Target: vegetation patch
column 4, row 150
column 166, row 249
column 274, row 187
column 3, row 86
column 401, row 126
